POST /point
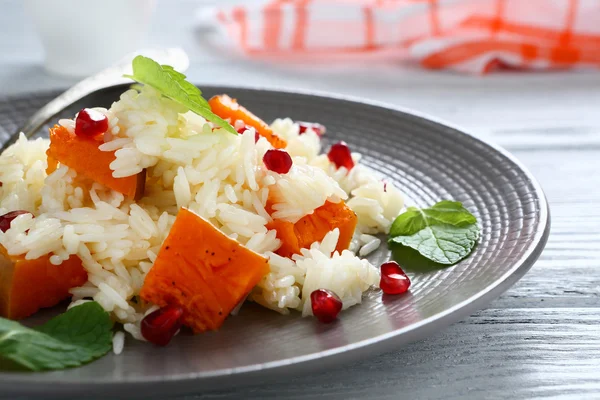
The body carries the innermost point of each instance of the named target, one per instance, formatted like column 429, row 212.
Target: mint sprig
column 173, row 84
column 80, row 335
column 445, row 233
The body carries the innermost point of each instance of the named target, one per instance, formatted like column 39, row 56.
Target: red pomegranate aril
column 242, row 129
column 325, row 304
column 7, row 218
column 393, row 279
column 160, row 326
column 340, row 155
column 278, row 161
column 256, row 136
column 318, row 128
column 90, row 123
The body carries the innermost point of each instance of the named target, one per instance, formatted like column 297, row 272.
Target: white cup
column 81, row 37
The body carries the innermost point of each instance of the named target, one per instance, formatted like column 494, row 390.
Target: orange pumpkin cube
column 313, row 228
column 203, row 271
column 228, row 108
column 83, row 155
column 29, row 285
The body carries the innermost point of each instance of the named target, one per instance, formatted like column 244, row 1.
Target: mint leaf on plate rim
column 444, row 233
column 442, row 243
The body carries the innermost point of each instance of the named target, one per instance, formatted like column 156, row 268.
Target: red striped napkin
column 475, row 36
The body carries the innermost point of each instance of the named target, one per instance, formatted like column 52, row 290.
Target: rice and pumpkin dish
column 168, row 211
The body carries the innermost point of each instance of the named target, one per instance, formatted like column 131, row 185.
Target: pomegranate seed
column 7, row 218
column 325, row 304
column 242, row 129
column 393, row 279
column 278, row 161
column 318, row 128
column 160, row 326
column 340, row 155
column 256, row 136
column 90, row 123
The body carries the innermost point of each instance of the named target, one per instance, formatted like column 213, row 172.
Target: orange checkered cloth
column 474, row 36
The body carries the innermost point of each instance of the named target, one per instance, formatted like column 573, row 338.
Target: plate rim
column 352, row 351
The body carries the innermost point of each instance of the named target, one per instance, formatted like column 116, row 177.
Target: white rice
column 290, row 282
column 219, row 176
column 369, row 247
column 118, row 342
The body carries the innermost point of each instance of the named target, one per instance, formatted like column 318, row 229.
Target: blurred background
column 405, row 52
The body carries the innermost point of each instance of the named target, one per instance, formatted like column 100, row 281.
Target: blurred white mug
column 82, row 37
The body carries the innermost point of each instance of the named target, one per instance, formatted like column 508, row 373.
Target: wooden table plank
column 498, row 353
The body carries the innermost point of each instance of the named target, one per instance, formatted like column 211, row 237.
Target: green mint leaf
column 172, row 84
column 443, row 243
column 82, row 334
column 445, row 233
column 412, row 261
column 450, row 212
column 443, row 212
column 409, row 222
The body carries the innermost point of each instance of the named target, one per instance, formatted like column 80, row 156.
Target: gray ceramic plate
column 429, row 161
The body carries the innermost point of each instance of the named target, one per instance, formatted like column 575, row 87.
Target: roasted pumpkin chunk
column 29, row 285
column 313, row 228
column 203, row 271
column 83, row 155
column 226, row 107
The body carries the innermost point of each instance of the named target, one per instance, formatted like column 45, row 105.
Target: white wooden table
column 541, row 339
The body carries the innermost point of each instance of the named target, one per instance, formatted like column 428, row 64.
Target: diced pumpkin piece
column 83, row 155
column 313, row 228
column 29, row 285
column 202, row 270
column 226, row 107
